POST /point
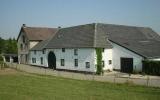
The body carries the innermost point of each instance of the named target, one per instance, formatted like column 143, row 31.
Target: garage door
column 127, row 65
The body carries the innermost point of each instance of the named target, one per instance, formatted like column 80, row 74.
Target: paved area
column 114, row 77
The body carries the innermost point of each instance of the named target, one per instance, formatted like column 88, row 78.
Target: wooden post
column 147, row 80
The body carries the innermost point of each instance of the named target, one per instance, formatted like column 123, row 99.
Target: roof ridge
column 95, row 32
column 132, row 26
column 41, row 27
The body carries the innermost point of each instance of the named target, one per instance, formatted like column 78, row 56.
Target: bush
column 1, row 58
column 151, row 67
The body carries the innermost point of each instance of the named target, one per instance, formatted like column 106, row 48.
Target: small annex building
column 74, row 48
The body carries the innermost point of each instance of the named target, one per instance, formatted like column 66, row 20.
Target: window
column 42, row 60
column 102, row 49
column 103, row 64
column 26, row 46
column 87, row 64
column 23, row 39
column 76, row 62
column 110, row 62
column 21, row 47
column 63, row 49
column 35, row 52
column 43, row 51
column 62, row 62
column 75, row 51
column 33, row 60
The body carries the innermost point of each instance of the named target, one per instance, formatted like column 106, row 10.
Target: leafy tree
column 2, row 45
column 8, row 46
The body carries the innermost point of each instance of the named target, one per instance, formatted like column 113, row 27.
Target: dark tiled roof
column 38, row 33
column 141, row 40
column 8, row 55
column 79, row 36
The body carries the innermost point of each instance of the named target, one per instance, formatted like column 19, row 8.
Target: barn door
column 127, row 65
column 51, row 60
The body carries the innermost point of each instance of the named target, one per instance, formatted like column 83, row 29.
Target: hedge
column 151, row 67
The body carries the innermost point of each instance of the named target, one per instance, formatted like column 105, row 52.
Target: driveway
column 114, row 77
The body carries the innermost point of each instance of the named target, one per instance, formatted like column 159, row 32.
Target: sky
column 65, row 13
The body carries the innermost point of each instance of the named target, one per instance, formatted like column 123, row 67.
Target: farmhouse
column 28, row 38
column 74, row 48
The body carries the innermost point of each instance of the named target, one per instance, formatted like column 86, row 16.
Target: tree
column 2, row 45
column 8, row 46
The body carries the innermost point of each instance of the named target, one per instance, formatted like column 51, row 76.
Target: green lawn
column 21, row 86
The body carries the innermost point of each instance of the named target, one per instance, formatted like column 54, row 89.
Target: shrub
column 1, row 58
column 151, row 67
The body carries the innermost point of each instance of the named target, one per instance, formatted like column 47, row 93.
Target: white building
column 74, row 48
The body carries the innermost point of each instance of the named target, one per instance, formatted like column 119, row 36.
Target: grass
column 24, row 86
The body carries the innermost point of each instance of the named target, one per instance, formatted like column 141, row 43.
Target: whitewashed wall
column 119, row 52
column 38, row 56
column 157, row 59
column 106, row 56
column 32, row 44
column 22, row 53
column 84, row 55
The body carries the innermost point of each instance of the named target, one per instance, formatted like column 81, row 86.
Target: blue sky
column 54, row 13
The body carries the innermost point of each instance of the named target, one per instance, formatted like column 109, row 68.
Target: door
column 127, row 65
column 51, row 60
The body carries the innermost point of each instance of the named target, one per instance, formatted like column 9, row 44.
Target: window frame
column 41, row 60
column 35, row 52
column 43, row 52
column 23, row 39
column 63, row 50
column 87, row 64
column 76, row 62
column 103, row 49
column 103, row 63
column 62, row 62
column 33, row 60
column 109, row 62
column 75, row 52
column 21, row 46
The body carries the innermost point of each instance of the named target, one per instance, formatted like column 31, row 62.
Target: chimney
column 24, row 25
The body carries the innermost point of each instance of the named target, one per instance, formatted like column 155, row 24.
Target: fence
column 113, row 78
